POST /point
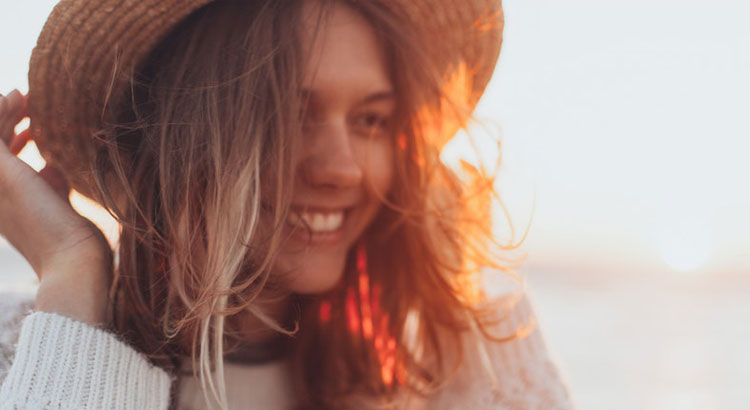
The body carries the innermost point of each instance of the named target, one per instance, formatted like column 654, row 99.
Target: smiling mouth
column 317, row 227
column 317, row 222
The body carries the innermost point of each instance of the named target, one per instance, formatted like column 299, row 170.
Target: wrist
column 83, row 298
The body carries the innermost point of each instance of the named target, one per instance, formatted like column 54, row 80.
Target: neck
column 250, row 328
column 259, row 343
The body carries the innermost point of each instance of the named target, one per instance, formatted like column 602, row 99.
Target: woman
column 289, row 237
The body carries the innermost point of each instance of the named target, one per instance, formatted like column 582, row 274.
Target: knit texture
column 60, row 363
column 13, row 308
column 511, row 375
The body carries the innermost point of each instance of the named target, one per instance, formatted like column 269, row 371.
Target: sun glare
column 686, row 247
column 30, row 154
column 685, row 257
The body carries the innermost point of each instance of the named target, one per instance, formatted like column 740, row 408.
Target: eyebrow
column 370, row 98
column 378, row 96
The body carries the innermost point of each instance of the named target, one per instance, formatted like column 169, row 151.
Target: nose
column 329, row 160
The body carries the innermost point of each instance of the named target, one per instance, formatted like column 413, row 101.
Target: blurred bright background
column 625, row 135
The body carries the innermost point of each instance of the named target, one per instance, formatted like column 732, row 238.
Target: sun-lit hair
column 195, row 168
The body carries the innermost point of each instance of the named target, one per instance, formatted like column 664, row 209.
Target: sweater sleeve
column 512, row 375
column 64, row 364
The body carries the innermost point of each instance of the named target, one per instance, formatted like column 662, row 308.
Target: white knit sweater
column 62, row 364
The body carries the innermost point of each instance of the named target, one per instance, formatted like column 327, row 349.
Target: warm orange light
column 364, row 297
column 371, row 320
column 352, row 315
column 325, row 311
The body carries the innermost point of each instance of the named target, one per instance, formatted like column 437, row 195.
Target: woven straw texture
column 88, row 48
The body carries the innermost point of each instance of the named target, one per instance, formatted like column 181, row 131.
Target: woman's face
column 345, row 165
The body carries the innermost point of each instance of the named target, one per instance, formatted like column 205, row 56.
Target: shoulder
column 14, row 307
column 518, row 373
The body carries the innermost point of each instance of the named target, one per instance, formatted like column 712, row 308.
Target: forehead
column 342, row 50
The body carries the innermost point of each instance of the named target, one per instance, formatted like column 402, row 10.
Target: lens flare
column 685, row 244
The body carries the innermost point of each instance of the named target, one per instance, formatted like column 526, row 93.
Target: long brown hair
column 196, row 170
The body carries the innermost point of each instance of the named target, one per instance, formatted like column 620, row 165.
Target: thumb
column 18, row 142
column 57, row 181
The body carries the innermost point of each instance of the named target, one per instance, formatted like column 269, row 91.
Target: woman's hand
column 69, row 254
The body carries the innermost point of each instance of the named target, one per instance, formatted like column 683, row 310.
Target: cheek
column 377, row 165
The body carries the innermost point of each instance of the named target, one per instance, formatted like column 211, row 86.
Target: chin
column 315, row 273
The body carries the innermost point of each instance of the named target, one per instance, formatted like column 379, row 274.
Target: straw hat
column 88, row 47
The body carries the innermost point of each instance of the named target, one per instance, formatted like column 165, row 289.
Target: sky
column 623, row 128
column 630, row 119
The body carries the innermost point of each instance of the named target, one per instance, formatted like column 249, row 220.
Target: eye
column 371, row 123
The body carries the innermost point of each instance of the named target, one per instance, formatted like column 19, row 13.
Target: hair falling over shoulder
column 201, row 188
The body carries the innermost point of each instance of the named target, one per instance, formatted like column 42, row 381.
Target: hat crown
column 88, row 49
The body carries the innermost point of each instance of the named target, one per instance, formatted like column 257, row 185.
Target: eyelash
column 380, row 121
column 369, row 123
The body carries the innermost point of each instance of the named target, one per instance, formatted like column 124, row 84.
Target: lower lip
column 302, row 235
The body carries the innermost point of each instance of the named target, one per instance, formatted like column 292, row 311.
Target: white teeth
column 317, row 221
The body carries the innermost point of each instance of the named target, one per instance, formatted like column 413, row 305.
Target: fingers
column 13, row 108
column 5, row 133
column 16, row 105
